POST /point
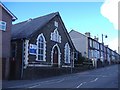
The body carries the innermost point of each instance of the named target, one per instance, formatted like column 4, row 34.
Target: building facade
column 93, row 49
column 80, row 42
column 41, row 42
column 86, row 45
column 6, row 18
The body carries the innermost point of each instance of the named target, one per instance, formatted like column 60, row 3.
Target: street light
column 102, row 38
column 103, row 49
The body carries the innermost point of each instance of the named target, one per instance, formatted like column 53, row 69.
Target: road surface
column 106, row 77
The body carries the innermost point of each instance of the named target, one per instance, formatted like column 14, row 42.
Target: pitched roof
column 76, row 34
column 8, row 11
column 27, row 28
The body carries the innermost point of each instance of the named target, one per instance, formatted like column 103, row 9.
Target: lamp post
column 102, row 38
column 103, row 48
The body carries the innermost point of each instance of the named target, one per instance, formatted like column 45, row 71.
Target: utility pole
column 103, row 47
column 102, row 38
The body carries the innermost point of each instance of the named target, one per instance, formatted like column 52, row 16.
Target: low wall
column 42, row 72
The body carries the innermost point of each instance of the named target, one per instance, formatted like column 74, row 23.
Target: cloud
column 109, row 9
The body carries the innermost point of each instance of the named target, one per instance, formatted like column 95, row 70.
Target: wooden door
column 55, row 56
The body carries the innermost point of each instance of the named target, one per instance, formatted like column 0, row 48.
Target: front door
column 55, row 57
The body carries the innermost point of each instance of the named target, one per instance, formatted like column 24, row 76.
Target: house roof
column 27, row 28
column 8, row 11
column 77, row 33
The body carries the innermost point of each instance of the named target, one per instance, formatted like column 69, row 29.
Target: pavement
column 106, row 77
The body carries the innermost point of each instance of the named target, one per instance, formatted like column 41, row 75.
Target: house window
column 55, row 36
column 90, row 43
column 56, row 24
column 67, row 53
column 3, row 25
column 41, row 48
column 91, row 54
column 94, row 44
column 98, row 46
column 102, row 54
column 101, row 47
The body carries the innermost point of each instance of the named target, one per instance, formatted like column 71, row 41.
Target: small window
column 91, row 43
column 56, row 24
column 3, row 25
column 55, row 36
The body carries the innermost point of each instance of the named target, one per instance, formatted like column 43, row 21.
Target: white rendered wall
column 80, row 42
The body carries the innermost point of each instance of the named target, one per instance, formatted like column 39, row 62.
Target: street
column 106, row 77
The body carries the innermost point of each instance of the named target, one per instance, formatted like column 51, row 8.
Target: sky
column 80, row 16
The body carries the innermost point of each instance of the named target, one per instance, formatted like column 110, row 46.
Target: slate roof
column 27, row 28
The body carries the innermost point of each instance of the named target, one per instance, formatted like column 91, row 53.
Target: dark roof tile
column 27, row 28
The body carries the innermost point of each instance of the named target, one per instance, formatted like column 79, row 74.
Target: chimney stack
column 96, row 38
column 87, row 34
column 30, row 19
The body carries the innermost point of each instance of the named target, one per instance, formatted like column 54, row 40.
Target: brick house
column 6, row 18
column 39, row 43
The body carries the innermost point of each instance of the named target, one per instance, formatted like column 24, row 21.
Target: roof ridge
column 37, row 17
column 47, row 15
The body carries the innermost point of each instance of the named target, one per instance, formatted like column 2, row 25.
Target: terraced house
column 86, row 45
column 41, row 42
column 92, row 49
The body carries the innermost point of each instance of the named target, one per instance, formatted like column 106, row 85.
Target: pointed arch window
column 55, row 36
column 41, row 48
column 67, row 53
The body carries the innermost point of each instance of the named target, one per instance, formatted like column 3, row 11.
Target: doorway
column 55, row 56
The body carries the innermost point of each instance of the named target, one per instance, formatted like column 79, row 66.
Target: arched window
column 41, row 48
column 55, row 36
column 67, row 53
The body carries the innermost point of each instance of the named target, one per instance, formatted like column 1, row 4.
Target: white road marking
column 49, row 81
column 36, row 84
column 60, row 81
column 80, row 85
column 95, row 75
column 85, row 82
column 21, row 86
column 46, row 83
column 94, row 80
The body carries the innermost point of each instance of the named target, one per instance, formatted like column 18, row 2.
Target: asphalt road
column 106, row 77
